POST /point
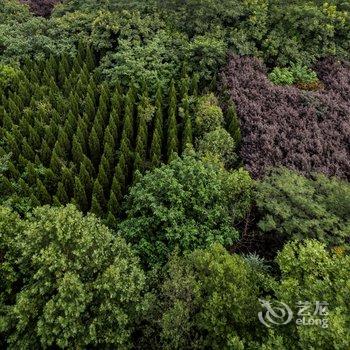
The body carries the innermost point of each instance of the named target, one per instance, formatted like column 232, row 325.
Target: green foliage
column 189, row 204
column 295, row 74
column 69, row 282
column 90, row 133
column 209, row 115
column 218, row 145
column 8, row 75
column 310, row 273
column 209, row 300
column 296, row 207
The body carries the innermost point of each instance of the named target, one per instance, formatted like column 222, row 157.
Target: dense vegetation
column 168, row 169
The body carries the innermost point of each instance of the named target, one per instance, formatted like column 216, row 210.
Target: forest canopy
column 174, row 174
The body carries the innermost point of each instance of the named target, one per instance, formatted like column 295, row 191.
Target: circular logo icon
column 276, row 313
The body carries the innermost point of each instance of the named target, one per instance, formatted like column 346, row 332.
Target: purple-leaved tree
column 302, row 130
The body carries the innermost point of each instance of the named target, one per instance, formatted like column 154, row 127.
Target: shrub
column 305, row 131
column 297, row 207
column 302, row 76
column 210, row 300
column 209, row 115
column 67, row 281
column 218, row 145
column 309, row 273
column 188, row 203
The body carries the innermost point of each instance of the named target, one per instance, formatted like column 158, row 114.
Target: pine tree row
column 73, row 138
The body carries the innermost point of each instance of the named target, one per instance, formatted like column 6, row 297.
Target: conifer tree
column 86, row 180
column 103, row 179
column 194, row 85
column 12, row 170
column 98, row 200
column 90, row 60
column 27, row 151
column 89, row 107
column 50, row 180
column 45, row 153
column 62, row 73
column 187, row 137
column 41, row 193
column 34, row 201
column 117, row 190
column 61, row 194
column 24, row 188
column 77, row 151
column 34, row 138
column 62, row 144
column 68, row 180
column 172, row 138
column 6, row 187
column 73, row 103
column 88, row 166
column 55, row 162
column 80, row 198
column 94, row 147
column 156, row 149
column 108, row 138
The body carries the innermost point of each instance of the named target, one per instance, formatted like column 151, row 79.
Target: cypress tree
column 117, row 190
column 86, row 179
column 99, row 125
column 128, row 129
column 116, row 105
column 67, row 180
column 113, row 210
column 121, row 172
column 114, row 125
column 81, row 53
column 55, row 162
column 77, row 151
column 98, row 200
column 12, row 170
column 73, row 104
column 94, row 147
column 34, row 201
column 90, row 61
column 61, row 194
column 27, row 151
column 194, row 85
column 34, row 138
column 41, row 193
column 156, row 149
column 6, row 187
column 88, row 166
column 7, row 121
column 13, row 110
column 103, row 179
column 24, row 188
column 172, row 138
column 108, row 138
column 187, row 137
column 62, row 73
column 11, row 145
column 45, row 153
column 50, row 180
column 62, row 144
column 89, row 107
column 80, row 198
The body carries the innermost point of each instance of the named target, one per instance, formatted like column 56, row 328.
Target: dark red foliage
column 303, row 130
column 41, row 7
